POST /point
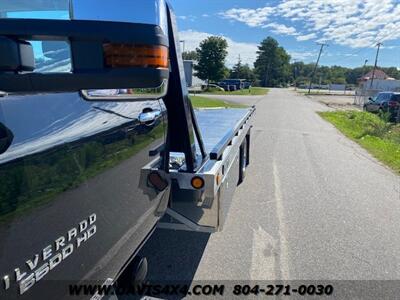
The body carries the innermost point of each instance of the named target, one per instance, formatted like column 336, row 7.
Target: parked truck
column 100, row 144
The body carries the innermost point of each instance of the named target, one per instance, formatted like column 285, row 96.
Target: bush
column 368, row 124
column 394, row 133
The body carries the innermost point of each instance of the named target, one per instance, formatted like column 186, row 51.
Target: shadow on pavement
column 174, row 256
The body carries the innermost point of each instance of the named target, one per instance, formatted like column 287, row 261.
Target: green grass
column 253, row 91
column 203, row 102
column 380, row 138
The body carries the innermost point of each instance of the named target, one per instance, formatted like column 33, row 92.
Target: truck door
column 71, row 204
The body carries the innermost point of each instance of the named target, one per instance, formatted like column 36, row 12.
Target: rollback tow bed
column 226, row 135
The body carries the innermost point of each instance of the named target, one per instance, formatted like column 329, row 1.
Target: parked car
column 238, row 83
column 384, row 102
column 246, row 85
column 213, row 86
column 224, row 86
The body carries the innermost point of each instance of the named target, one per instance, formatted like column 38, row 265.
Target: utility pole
column 295, row 73
column 376, row 64
column 316, row 65
column 365, row 65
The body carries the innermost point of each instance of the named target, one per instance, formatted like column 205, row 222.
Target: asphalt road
column 314, row 206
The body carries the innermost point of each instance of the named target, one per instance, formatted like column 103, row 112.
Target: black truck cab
column 71, row 203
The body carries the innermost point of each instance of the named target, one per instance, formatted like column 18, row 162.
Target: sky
column 351, row 28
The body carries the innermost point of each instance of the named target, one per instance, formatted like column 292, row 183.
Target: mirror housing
column 16, row 55
column 105, row 55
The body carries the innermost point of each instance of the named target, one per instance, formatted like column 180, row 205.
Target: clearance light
column 126, row 55
column 218, row 179
column 197, row 183
column 157, row 181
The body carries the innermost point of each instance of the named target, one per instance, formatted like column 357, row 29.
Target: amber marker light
column 197, row 182
column 218, row 179
column 127, row 55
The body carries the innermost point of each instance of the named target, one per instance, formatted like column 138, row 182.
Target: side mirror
column 110, row 61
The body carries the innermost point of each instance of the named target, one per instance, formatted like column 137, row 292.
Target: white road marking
column 263, row 255
column 283, row 257
column 265, row 249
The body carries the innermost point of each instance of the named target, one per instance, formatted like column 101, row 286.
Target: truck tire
column 243, row 151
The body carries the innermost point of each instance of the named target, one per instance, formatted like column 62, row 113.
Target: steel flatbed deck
column 219, row 126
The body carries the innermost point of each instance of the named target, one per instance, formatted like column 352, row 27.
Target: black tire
column 243, row 161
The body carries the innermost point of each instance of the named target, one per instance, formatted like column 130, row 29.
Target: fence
column 364, row 92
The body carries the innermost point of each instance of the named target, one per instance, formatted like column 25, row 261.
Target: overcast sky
column 350, row 27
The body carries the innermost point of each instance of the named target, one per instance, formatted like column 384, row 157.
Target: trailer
column 100, row 145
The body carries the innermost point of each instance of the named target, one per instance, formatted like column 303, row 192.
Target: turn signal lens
column 125, row 55
column 197, row 182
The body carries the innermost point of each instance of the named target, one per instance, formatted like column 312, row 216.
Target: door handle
column 150, row 117
column 6, row 138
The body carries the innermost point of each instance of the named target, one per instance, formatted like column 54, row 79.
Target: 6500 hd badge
column 52, row 255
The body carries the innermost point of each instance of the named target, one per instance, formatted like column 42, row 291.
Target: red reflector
column 156, row 181
column 393, row 103
column 125, row 55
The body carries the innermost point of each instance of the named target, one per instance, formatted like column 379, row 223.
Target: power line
column 316, row 65
column 358, row 51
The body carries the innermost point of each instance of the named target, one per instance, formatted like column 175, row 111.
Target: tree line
column 272, row 67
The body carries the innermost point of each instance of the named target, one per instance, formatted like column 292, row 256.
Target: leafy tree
column 392, row 72
column 240, row 71
column 272, row 64
column 353, row 75
column 189, row 55
column 300, row 72
column 211, row 59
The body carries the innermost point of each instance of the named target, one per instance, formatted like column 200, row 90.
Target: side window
column 396, row 97
column 383, row 97
column 379, row 98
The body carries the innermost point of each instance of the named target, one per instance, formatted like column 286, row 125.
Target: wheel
column 243, row 151
column 134, row 275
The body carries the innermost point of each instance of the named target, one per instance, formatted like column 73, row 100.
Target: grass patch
column 203, row 102
column 380, row 138
column 253, row 91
